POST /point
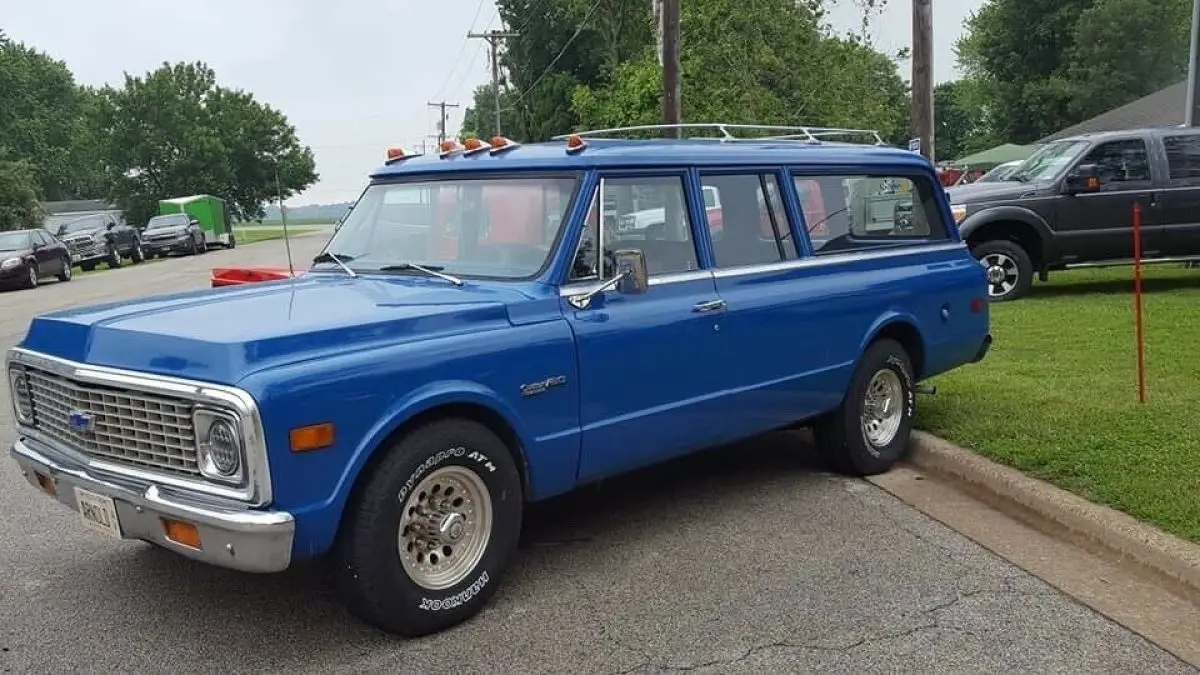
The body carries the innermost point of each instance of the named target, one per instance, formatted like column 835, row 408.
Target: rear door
column 1179, row 201
column 1098, row 225
column 47, row 258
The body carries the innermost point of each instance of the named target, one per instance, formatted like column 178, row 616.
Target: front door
column 1098, row 225
column 648, row 363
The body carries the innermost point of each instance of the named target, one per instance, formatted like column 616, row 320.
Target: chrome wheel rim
column 445, row 527
column 33, row 275
column 67, row 271
column 1002, row 273
column 883, row 408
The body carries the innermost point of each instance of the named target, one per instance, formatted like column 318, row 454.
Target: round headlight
column 221, row 451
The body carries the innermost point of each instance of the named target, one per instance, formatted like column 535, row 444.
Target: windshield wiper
column 340, row 258
column 433, row 270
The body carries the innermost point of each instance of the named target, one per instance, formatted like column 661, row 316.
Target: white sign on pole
column 914, row 144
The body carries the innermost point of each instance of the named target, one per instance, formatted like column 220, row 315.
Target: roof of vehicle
column 1126, row 133
column 553, row 155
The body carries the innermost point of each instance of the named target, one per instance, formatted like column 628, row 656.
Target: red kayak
column 236, row 276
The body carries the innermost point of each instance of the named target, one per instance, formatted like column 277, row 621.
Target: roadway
column 743, row 560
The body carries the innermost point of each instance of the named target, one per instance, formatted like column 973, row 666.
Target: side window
column 1120, row 162
column 747, row 222
column 1183, row 156
column 647, row 213
column 851, row 213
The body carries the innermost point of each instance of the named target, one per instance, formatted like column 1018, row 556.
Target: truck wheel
column 870, row 430
column 430, row 533
column 137, row 255
column 1008, row 268
column 232, row 241
column 114, row 258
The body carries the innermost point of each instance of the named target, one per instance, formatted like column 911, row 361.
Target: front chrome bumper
column 231, row 536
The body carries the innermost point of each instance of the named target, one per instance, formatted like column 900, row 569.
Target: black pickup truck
column 1071, row 205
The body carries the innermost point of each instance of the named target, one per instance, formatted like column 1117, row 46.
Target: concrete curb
column 1147, row 546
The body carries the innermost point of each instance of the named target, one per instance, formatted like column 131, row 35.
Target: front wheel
column 432, row 530
column 1007, row 267
column 870, row 430
column 114, row 258
column 65, row 274
column 137, row 255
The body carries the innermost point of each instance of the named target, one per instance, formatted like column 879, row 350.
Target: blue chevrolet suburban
column 487, row 328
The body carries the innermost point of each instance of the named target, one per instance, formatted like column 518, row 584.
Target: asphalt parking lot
column 741, row 560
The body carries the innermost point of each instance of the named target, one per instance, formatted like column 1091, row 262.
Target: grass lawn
column 1057, row 395
column 250, row 236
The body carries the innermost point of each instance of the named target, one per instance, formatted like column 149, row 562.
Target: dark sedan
column 28, row 256
column 172, row 233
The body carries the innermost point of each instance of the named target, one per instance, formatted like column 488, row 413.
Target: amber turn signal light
column 311, row 437
column 182, row 533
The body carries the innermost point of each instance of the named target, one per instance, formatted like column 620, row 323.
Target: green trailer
column 212, row 213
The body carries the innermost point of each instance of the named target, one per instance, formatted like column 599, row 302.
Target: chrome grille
column 128, row 427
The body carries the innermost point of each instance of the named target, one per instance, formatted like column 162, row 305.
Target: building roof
column 553, row 156
column 1164, row 108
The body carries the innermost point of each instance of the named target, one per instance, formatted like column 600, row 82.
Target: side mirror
column 631, row 272
column 1082, row 178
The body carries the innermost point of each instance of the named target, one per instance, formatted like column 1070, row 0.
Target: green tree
column 961, row 127
column 41, row 121
column 1126, row 49
column 766, row 63
column 174, row 132
column 1040, row 65
column 19, row 207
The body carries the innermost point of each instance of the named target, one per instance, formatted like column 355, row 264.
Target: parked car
column 999, row 172
column 174, row 233
column 100, row 238
column 472, row 339
column 27, row 256
column 1070, row 204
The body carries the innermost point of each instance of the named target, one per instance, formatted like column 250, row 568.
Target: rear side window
column 1183, row 156
column 747, row 223
column 860, row 212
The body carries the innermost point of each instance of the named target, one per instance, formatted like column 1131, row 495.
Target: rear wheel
column 1008, row 269
column 232, row 241
column 432, row 529
column 870, row 431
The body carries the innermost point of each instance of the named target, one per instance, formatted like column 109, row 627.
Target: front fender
column 1010, row 212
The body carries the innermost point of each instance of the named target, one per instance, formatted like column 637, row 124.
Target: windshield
column 165, row 221
column 493, row 227
column 80, row 225
column 14, row 241
column 1048, row 161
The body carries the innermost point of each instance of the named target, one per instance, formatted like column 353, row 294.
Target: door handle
column 709, row 306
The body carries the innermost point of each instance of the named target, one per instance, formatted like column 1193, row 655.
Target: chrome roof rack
column 727, row 132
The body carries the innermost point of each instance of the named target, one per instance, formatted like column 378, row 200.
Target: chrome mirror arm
column 584, row 300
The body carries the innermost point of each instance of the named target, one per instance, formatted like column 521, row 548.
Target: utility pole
column 1192, row 116
column 493, row 38
column 670, row 66
column 922, row 75
column 441, row 106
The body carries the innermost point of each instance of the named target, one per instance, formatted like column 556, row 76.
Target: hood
column 80, row 234
column 223, row 335
column 990, row 192
column 19, row 253
column 160, row 232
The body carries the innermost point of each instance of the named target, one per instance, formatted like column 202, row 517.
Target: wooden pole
column 670, row 60
column 922, row 75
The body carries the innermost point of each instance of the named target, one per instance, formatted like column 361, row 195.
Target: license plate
column 99, row 513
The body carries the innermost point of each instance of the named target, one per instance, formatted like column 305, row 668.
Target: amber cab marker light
column 395, row 153
column 472, row 144
column 448, row 148
column 182, row 533
column 47, row 484
column 311, row 437
column 575, row 143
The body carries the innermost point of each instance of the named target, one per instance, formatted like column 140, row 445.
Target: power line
column 493, row 38
column 462, row 48
column 578, row 30
column 442, row 105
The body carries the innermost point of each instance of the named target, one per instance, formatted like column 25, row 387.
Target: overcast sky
column 355, row 76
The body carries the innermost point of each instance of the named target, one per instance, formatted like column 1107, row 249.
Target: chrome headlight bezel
column 230, row 468
column 17, row 382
